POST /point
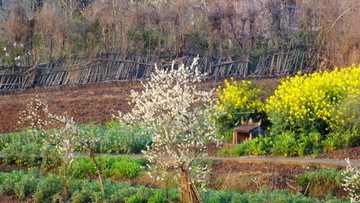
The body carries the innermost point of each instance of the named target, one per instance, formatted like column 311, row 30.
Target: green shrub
column 290, row 144
column 122, row 169
column 157, row 197
column 27, row 184
column 47, row 187
column 337, row 140
column 119, row 138
column 21, row 183
column 88, row 192
column 241, row 149
column 321, row 183
column 9, row 181
column 308, row 144
column 120, row 195
column 35, row 148
column 226, row 135
column 238, row 150
column 285, row 145
column 111, row 167
column 27, row 149
column 23, row 148
column 261, row 196
column 217, row 196
column 260, row 145
column 332, row 142
column 256, row 146
column 144, row 193
column 223, row 152
column 81, row 167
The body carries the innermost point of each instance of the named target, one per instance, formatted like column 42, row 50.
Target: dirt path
column 317, row 162
column 297, row 161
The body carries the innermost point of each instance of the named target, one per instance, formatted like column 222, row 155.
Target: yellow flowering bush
column 311, row 102
column 348, row 114
column 237, row 100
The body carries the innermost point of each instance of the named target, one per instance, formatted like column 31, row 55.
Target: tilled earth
column 92, row 103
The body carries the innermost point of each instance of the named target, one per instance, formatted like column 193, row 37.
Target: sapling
column 71, row 137
column 66, row 139
column 178, row 114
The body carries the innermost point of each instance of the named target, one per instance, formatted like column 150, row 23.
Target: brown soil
column 92, row 103
column 351, row 153
column 8, row 168
column 265, row 167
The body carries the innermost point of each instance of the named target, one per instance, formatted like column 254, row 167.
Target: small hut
column 246, row 131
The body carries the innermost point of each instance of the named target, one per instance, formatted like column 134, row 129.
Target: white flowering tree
column 178, row 114
column 351, row 182
column 68, row 138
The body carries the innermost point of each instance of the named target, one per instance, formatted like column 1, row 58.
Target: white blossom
column 36, row 114
column 166, row 107
column 351, row 182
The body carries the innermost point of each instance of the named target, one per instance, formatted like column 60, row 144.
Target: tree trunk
column 92, row 158
column 64, row 180
column 187, row 189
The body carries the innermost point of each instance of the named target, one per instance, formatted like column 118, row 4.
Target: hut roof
column 245, row 128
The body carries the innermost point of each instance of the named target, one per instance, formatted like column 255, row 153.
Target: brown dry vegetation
column 326, row 29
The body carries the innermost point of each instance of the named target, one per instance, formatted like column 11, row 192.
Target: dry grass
column 225, row 28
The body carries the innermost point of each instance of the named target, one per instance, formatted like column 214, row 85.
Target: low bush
column 47, row 188
column 123, row 139
column 237, row 150
column 291, row 144
column 241, row 149
column 23, row 149
column 34, row 147
column 320, row 183
column 111, row 167
column 260, row 145
column 20, row 183
column 261, row 196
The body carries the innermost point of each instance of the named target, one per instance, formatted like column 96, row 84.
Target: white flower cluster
column 35, row 114
column 167, row 107
column 351, row 182
column 67, row 139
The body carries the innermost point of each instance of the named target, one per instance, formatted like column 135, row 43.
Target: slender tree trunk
column 187, row 189
column 64, row 181
column 92, row 158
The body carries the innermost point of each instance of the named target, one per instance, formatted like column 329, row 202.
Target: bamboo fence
column 117, row 67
